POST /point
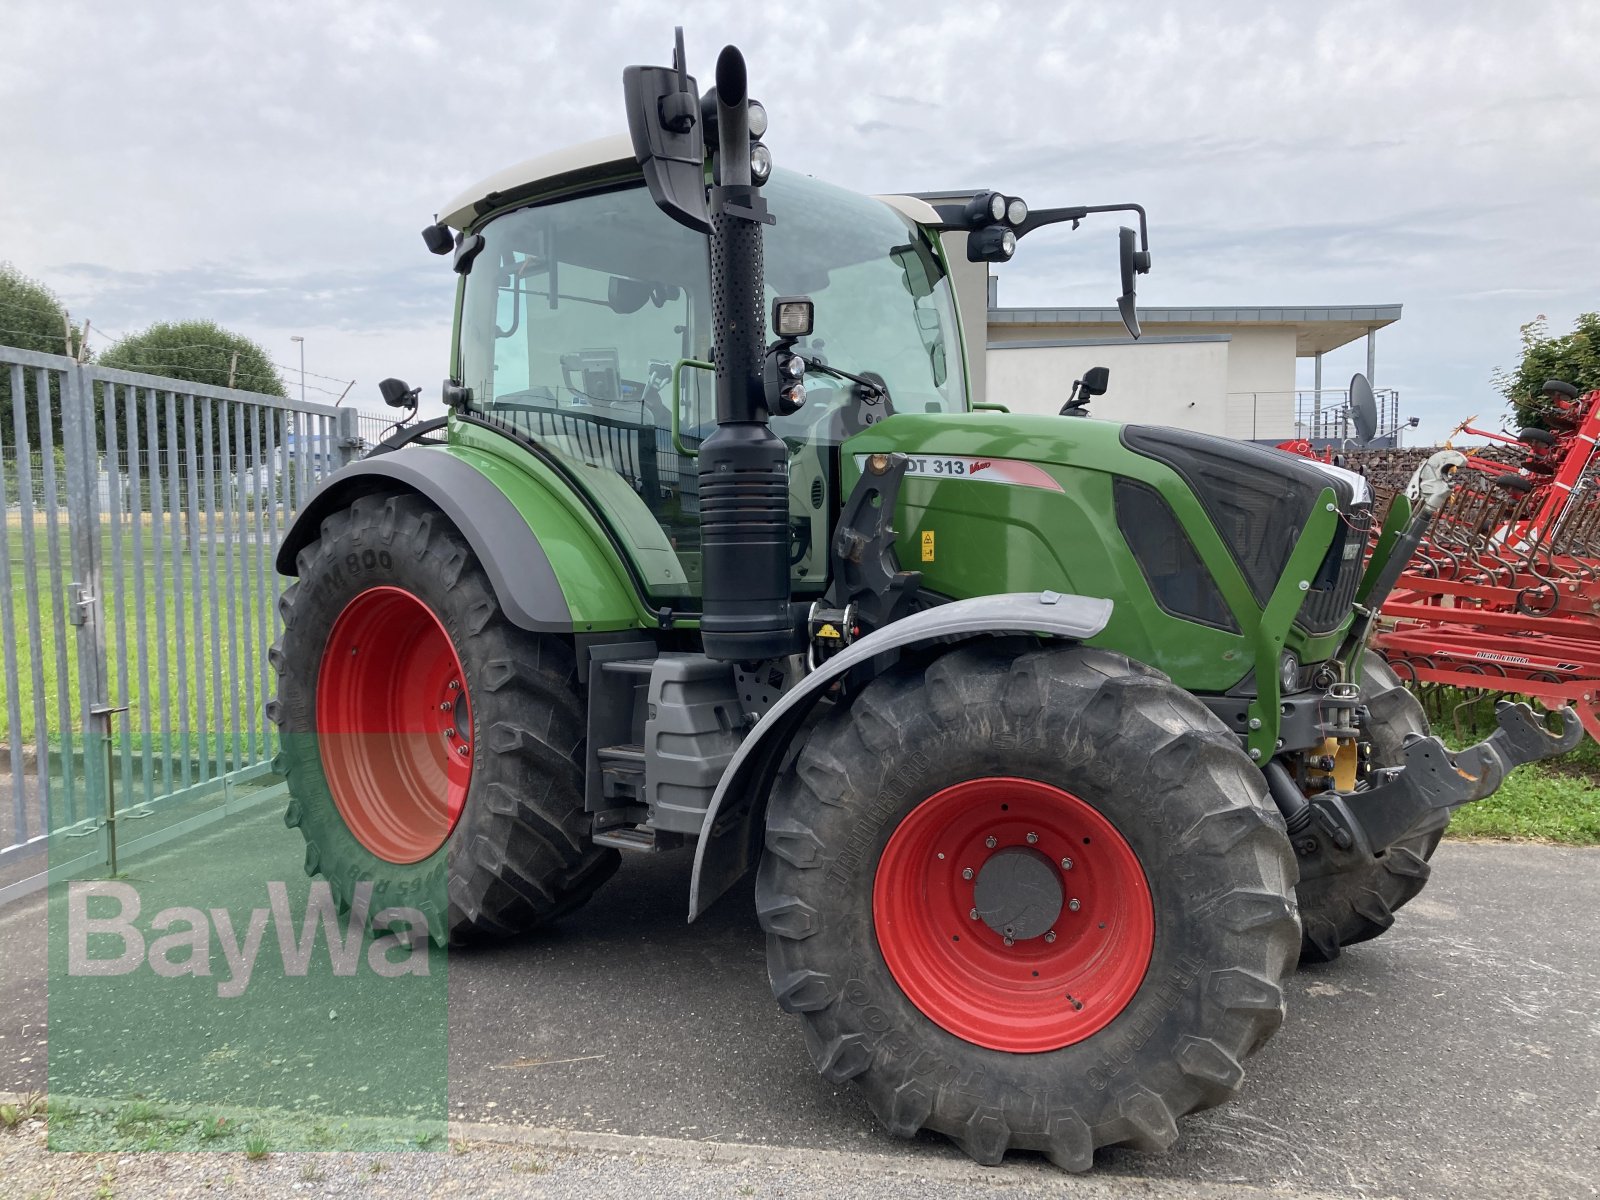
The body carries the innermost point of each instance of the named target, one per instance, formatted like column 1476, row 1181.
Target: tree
column 31, row 318
column 1573, row 357
column 198, row 352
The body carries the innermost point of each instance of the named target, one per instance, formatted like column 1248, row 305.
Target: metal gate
column 137, row 603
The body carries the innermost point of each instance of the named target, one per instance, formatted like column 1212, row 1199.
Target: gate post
column 348, row 437
column 86, row 611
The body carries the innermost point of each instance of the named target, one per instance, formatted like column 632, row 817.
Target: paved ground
column 1457, row 1056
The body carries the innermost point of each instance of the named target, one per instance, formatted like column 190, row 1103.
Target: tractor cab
column 586, row 327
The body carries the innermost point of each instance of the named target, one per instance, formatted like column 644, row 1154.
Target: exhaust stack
column 743, row 465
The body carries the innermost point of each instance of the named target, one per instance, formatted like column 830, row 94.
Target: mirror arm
column 1055, row 216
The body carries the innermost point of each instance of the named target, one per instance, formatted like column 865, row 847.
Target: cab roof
column 599, row 159
column 603, row 156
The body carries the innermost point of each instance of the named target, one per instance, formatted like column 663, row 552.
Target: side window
column 573, row 318
column 1177, row 576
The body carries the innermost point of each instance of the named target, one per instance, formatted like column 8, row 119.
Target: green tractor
column 1053, row 743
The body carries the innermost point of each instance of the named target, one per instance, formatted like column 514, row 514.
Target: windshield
column 579, row 317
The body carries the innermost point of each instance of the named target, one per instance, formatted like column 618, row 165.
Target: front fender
column 730, row 835
column 518, row 567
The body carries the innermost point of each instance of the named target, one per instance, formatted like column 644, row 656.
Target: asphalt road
column 1459, row 1055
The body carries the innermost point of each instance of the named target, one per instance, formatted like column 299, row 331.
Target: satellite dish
column 1363, row 408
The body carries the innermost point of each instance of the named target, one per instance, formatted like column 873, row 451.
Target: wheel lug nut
column 1074, row 905
column 991, row 841
column 966, row 873
column 455, row 685
column 1008, row 941
column 973, row 914
column 1032, row 838
column 451, row 732
column 1051, row 936
column 1066, row 864
column 446, row 706
column 464, row 750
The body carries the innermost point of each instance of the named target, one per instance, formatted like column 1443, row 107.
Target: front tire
column 1164, row 977
column 432, row 749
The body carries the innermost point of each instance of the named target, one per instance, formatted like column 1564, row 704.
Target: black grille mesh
column 1176, row 574
column 1260, row 500
column 1333, row 591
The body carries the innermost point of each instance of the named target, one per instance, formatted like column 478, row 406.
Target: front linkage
column 1333, row 827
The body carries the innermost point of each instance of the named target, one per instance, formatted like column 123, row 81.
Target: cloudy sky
column 270, row 165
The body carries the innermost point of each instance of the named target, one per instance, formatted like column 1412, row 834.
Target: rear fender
column 731, row 834
column 497, row 527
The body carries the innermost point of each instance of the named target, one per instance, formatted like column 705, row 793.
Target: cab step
column 637, row 838
column 627, row 759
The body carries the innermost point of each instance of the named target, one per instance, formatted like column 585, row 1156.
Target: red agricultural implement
column 1503, row 593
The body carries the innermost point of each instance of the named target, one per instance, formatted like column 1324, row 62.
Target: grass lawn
column 1553, row 801
column 187, row 689
column 1556, row 801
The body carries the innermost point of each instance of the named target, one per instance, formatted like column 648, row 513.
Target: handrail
column 677, row 376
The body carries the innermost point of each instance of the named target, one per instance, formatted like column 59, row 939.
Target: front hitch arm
column 1434, row 778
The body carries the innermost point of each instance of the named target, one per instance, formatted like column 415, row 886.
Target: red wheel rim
column 1047, row 988
column 394, row 725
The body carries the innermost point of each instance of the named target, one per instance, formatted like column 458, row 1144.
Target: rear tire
column 1148, row 762
column 1359, row 904
column 514, row 850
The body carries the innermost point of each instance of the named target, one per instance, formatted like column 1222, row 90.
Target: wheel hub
column 1018, row 893
column 1013, row 914
column 394, row 725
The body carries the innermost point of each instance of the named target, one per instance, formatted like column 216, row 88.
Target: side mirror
column 668, row 141
column 1133, row 262
column 1095, row 381
column 624, row 295
column 438, row 239
column 397, row 393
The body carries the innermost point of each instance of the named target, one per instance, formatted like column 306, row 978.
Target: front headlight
column 1288, row 672
column 760, row 163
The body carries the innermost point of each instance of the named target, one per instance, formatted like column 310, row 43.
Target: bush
column 1573, row 357
column 198, row 352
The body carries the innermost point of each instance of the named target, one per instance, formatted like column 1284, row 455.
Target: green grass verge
column 1554, row 801
column 207, row 671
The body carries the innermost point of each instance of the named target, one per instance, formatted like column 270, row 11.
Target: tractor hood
column 1186, row 526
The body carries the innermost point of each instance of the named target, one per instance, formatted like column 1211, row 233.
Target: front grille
column 1258, row 499
column 1333, row 590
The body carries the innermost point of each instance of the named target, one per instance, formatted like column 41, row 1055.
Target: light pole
column 302, row 341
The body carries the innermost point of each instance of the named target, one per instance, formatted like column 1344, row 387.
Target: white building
column 1229, row 371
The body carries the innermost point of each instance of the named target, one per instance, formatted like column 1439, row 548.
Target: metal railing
column 1325, row 415
column 1317, row 416
column 138, row 599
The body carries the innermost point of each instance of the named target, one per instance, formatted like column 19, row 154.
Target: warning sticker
column 927, row 545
